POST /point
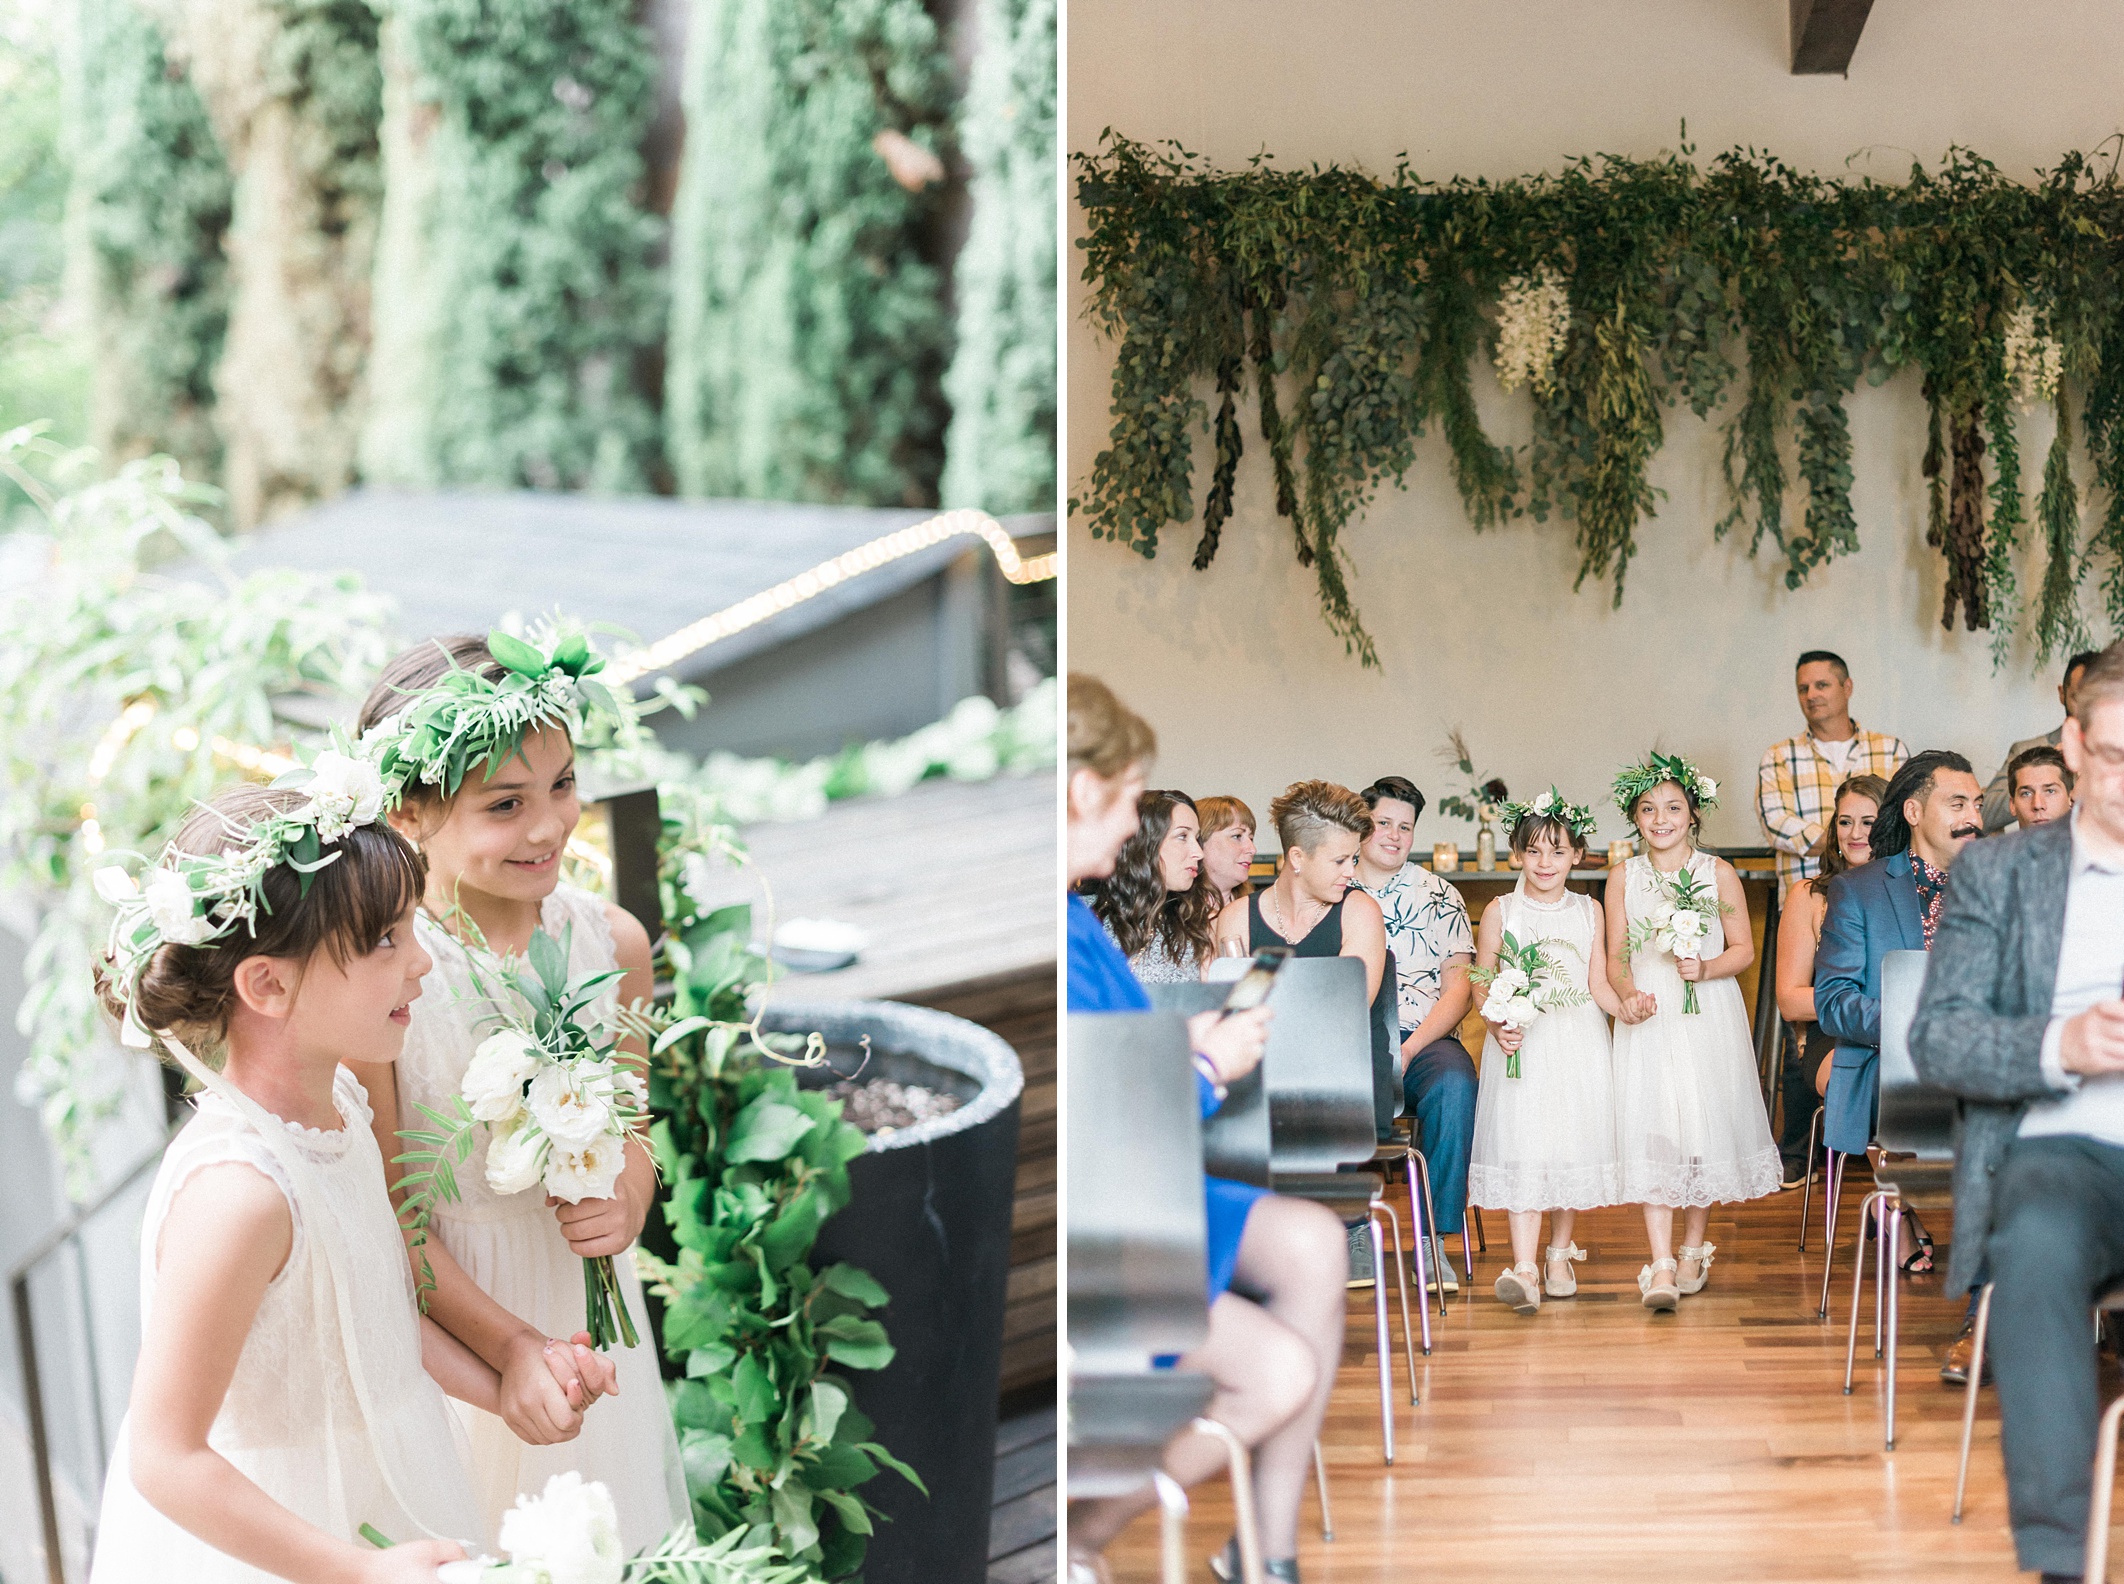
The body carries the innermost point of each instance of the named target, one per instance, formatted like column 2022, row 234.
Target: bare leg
column 1526, row 1236
column 1659, row 1231
column 1560, row 1224
column 1273, row 1362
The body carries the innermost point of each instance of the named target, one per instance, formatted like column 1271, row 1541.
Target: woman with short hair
column 1227, row 846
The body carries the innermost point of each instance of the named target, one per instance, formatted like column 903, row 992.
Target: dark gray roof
column 455, row 561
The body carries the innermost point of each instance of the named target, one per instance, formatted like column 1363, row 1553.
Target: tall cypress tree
column 808, row 339
column 999, row 453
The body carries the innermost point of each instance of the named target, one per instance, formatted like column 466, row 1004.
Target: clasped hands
column 2092, row 1043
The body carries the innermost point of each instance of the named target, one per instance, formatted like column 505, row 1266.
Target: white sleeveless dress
column 292, row 1421
column 1546, row 1139
column 1690, row 1125
column 511, row 1245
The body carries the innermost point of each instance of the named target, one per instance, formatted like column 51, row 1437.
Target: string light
column 814, row 581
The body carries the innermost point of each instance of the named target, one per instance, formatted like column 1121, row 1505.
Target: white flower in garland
column 2034, row 361
column 344, row 792
column 1533, row 327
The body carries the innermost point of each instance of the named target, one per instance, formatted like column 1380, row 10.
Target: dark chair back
column 1309, row 1106
column 1138, row 1270
column 1386, row 1040
column 1915, row 1118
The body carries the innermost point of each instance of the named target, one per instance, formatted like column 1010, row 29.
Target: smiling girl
column 488, row 796
column 1157, row 904
column 1690, row 1127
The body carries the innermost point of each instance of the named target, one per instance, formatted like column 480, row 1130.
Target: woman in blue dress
column 1277, row 1266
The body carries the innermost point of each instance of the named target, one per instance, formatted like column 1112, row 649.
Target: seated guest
column 1227, row 846
column 1999, row 811
column 1929, row 813
column 1799, row 937
column 2040, row 785
column 2020, row 1017
column 1156, row 904
column 1275, row 1264
column 1427, row 931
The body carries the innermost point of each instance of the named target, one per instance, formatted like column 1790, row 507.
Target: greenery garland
column 999, row 453
column 518, row 256
column 149, row 208
column 1362, row 300
column 807, row 334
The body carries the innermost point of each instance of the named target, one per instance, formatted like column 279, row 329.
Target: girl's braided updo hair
column 351, row 905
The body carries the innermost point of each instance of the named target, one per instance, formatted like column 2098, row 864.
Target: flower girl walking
column 287, row 1391
column 1690, row 1126
column 1545, row 1112
column 476, row 740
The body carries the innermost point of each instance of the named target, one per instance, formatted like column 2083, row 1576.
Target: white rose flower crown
column 1634, row 781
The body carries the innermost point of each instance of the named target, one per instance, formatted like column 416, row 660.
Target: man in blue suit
column 1931, row 811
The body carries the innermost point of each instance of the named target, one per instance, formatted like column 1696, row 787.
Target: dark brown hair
column 1533, row 827
column 1133, row 901
column 1834, row 862
column 2041, row 754
column 351, row 905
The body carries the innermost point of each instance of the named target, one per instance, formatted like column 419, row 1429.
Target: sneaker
column 1361, row 1255
column 1420, row 1266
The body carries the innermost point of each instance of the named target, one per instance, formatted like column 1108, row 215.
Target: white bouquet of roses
column 557, row 1104
column 1679, row 924
column 569, row 1534
column 1527, row 981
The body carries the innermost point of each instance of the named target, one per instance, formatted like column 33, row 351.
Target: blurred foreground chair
column 1912, row 1156
column 1138, row 1271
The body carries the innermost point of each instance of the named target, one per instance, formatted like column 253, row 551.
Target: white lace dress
column 1690, row 1126
column 512, row 1247
column 1546, row 1139
column 292, row 1421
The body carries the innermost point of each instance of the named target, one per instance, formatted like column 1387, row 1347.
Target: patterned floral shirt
column 1932, row 892
column 1426, row 924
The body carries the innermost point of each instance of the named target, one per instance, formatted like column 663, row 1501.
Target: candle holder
column 1445, row 858
column 1620, row 853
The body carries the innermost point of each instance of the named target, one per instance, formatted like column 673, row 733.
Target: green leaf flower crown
column 1576, row 817
column 192, row 899
column 465, row 719
column 1634, row 781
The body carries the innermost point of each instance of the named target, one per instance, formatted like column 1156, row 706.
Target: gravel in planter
column 880, row 1106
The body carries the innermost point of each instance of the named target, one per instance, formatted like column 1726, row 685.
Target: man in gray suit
column 2021, row 1016
column 1998, row 797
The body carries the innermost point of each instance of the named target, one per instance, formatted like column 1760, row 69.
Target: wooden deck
column 957, row 888
column 1595, row 1441
column 1021, row 1533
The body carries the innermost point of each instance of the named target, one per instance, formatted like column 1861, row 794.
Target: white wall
column 1234, row 667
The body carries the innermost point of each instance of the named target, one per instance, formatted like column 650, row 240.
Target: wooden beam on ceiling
column 1824, row 33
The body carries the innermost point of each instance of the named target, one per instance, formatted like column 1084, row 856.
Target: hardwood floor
column 1597, row 1441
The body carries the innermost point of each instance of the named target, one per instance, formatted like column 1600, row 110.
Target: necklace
column 1287, row 925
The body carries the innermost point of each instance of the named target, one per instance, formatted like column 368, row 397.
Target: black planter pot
column 929, row 1217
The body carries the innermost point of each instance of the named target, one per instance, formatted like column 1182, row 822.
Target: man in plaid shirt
column 1796, row 785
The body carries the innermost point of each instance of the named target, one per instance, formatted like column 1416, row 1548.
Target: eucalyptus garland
column 1621, row 289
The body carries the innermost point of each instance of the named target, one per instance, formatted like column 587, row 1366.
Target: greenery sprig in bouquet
column 1679, row 923
column 559, row 1104
column 1527, row 981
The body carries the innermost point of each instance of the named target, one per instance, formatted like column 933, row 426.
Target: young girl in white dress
column 1690, row 1127
column 1545, row 1139
column 491, row 816
column 287, row 1389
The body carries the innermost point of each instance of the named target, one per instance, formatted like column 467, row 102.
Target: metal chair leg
column 1830, row 1189
column 1883, row 1268
column 1172, row 1528
column 1327, row 1519
column 1892, row 1235
column 1430, row 1219
column 2105, row 1479
column 1814, row 1139
column 1858, row 1282
column 1242, row 1476
column 1969, row 1408
column 1401, row 1282
column 1386, row 1351
column 1482, row 1243
column 1416, row 1232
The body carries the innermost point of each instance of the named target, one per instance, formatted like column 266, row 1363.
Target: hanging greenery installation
column 1613, row 292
